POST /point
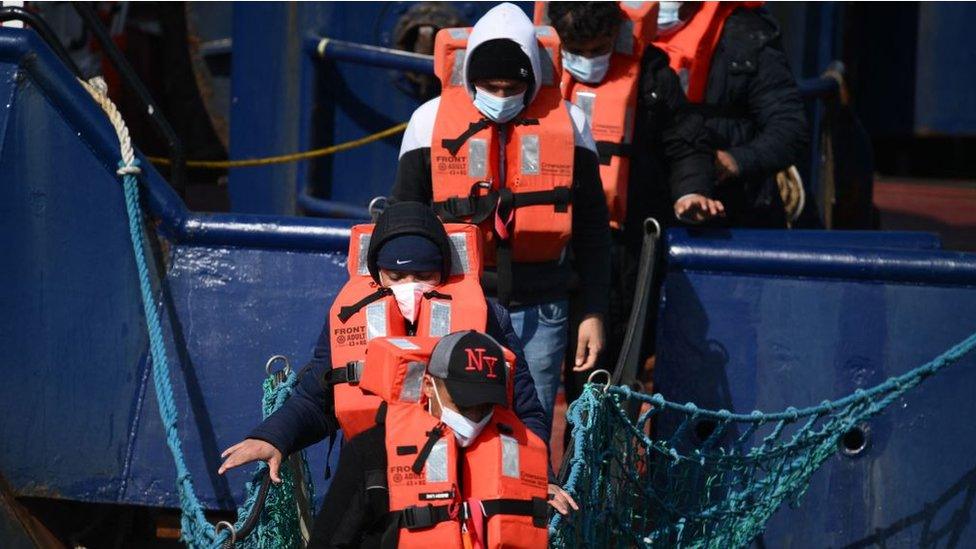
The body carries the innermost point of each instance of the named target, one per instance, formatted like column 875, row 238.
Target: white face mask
column 408, row 296
column 589, row 70
column 667, row 17
column 465, row 430
column 498, row 109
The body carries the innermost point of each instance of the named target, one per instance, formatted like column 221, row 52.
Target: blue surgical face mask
column 667, row 17
column 498, row 109
column 589, row 70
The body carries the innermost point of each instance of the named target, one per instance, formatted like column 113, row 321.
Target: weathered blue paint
column 77, row 414
column 739, row 332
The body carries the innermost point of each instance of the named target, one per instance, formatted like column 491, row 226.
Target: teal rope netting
column 644, row 477
column 279, row 522
column 278, row 525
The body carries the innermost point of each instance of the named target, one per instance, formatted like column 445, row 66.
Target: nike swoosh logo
column 404, row 262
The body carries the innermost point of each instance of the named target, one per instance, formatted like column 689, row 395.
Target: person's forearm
column 304, row 419
column 777, row 110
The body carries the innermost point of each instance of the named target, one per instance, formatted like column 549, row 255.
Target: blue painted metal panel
column 810, row 238
column 944, row 101
column 265, row 107
column 234, row 308
column 77, row 411
column 737, row 334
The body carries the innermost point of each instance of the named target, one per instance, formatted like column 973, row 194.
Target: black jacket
column 759, row 117
column 590, row 244
column 355, row 511
column 308, row 415
column 671, row 154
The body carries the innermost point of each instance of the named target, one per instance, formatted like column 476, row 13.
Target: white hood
column 505, row 21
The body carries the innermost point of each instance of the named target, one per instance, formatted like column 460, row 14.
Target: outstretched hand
column 249, row 450
column 695, row 208
column 560, row 500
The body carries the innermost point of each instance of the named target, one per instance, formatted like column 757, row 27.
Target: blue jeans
column 542, row 330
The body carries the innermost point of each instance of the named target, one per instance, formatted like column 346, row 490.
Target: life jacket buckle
column 415, row 517
column 354, row 371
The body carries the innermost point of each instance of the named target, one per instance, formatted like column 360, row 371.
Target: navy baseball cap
column 410, row 252
column 473, row 368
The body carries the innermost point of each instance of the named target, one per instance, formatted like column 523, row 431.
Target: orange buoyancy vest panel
column 512, row 180
column 393, row 367
column 610, row 105
column 500, row 497
column 691, row 47
column 363, row 310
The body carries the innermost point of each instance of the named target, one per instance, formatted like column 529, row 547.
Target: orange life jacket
column 363, row 310
column 691, row 47
column 611, row 104
column 393, row 368
column 496, row 498
column 513, row 180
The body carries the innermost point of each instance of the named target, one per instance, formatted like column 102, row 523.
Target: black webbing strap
column 607, row 149
column 345, row 313
column 473, row 208
column 350, row 373
column 434, row 294
column 537, row 508
column 711, row 110
column 423, row 516
column 454, row 145
column 559, row 197
column 433, row 436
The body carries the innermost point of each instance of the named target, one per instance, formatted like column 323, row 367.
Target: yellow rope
column 285, row 158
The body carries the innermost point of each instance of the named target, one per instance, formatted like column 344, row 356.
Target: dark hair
column 584, row 20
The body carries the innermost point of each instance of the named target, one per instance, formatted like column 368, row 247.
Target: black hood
column 402, row 218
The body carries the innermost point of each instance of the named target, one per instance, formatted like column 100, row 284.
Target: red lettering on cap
column 477, row 361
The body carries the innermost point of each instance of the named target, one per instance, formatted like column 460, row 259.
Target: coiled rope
column 196, row 530
column 286, row 158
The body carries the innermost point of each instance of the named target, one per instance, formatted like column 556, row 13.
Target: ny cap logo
column 478, row 361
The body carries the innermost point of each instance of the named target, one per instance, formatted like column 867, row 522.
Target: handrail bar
column 54, row 79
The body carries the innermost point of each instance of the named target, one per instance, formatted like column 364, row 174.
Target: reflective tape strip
column 541, row 32
column 625, row 37
column 457, row 71
column 412, row 382
column 510, row 457
column 404, row 344
column 440, row 318
column 549, row 67
column 458, row 34
column 585, row 100
column 477, row 158
column 376, row 320
column 437, row 462
column 633, row 5
column 530, row 154
column 362, row 269
column 459, row 254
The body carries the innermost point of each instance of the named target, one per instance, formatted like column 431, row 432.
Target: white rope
column 98, row 89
